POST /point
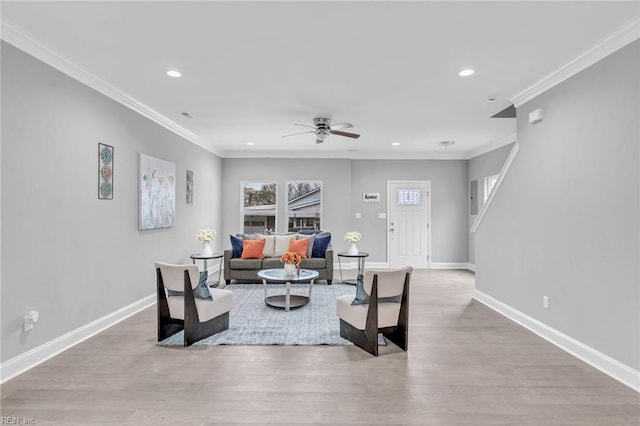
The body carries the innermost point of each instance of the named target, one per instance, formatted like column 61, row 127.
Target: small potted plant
column 206, row 236
column 291, row 261
column 352, row 238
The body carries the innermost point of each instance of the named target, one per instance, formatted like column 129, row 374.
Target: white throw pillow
column 269, row 244
column 282, row 244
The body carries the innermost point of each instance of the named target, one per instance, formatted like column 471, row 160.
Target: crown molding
column 624, row 35
column 488, row 147
column 23, row 40
column 349, row 155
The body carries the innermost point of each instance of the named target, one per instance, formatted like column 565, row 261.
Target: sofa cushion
column 282, row 244
column 300, row 247
column 269, row 245
column 236, row 245
column 245, row 264
column 200, row 292
column 272, row 263
column 320, row 244
column 311, row 239
column 253, row 249
column 314, row 263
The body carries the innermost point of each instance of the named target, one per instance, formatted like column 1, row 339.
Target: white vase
column 353, row 249
column 289, row 268
column 206, row 249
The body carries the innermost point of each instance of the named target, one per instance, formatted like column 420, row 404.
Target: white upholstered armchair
column 383, row 307
column 178, row 309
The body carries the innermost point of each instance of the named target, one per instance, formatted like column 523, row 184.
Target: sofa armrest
column 228, row 255
column 328, row 255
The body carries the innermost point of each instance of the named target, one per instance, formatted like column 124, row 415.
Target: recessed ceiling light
column 395, row 143
column 491, row 98
column 186, row 114
column 174, row 73
column 466, row 73
column 250, row 143
column 445, row 144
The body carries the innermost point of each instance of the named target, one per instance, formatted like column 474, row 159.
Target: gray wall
column 565, row 221
column 448, row 204
column 487, row 164
column 344, row 181
column 65, row 253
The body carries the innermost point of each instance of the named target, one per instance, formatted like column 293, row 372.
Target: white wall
column 65, row 253
column 565, row 221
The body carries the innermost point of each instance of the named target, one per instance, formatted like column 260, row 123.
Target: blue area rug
column 252, row 322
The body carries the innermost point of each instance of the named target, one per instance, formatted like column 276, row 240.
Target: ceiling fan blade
column 347, row 134
column 340, row 126
column 301, row 133
column 305, row 125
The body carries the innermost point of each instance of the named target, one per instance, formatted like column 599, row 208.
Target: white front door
column 408, row 223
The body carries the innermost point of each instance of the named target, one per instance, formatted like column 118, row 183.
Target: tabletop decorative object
column 352, row 238
column 291, row 261
column 206, row 236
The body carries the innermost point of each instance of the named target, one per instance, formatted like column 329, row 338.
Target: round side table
column 220, row 256
column 360, row 256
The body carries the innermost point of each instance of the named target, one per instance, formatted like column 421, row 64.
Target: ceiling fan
column 323, row 128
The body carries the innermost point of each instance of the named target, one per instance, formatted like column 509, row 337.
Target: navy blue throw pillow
column 200, row 292
column 320, row 245
column 236, row 246
column 309, row 231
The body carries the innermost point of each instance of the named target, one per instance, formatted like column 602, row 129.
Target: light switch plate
column 382, row 215
column 358, row 215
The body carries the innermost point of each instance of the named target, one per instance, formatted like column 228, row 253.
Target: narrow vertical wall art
column 105, row 172
column 189, row 187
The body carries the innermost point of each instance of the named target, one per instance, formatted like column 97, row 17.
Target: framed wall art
column 157, row 184
column 189, row 187
column 105, row 172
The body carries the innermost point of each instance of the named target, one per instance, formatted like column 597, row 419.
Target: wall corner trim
column 503, row 172
column 23, row 40
column 611, row 367
column 26, row 361
column 624, row 35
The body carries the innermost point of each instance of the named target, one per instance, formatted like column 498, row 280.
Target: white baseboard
column 443, row 265
column 611, row 367
column 23, row 362
column 471, row 267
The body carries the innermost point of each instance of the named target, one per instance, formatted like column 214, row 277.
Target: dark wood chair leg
column 400, row 335
column 167, row 326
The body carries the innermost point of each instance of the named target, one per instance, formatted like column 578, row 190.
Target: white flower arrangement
column 206, row 235
column 352, row 237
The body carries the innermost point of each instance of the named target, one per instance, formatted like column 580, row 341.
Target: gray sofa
column 246, row 270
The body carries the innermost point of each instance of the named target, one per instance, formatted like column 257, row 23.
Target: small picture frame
column 189, row 187
column 105, row 172
column 370, row 197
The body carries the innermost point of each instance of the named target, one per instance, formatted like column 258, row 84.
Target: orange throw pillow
column 300, row 247
column 252, row 249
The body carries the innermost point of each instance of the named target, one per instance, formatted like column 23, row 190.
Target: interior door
column 408, row 223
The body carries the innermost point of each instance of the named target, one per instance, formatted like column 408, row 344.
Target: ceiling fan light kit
column 323, row 128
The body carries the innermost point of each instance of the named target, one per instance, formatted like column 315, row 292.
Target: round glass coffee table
column 287, row 301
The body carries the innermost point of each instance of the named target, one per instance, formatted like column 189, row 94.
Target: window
column 304, row 205
column 259, row 207
column 408, row 197
column 489, row 183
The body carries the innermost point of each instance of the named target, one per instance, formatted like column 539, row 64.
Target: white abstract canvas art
column 157, row 193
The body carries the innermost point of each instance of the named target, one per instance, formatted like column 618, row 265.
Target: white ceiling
column 253, row 69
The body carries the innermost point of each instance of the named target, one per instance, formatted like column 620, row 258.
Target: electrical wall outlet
column 545, row 302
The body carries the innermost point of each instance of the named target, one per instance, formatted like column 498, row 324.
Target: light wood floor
column 466, row 365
